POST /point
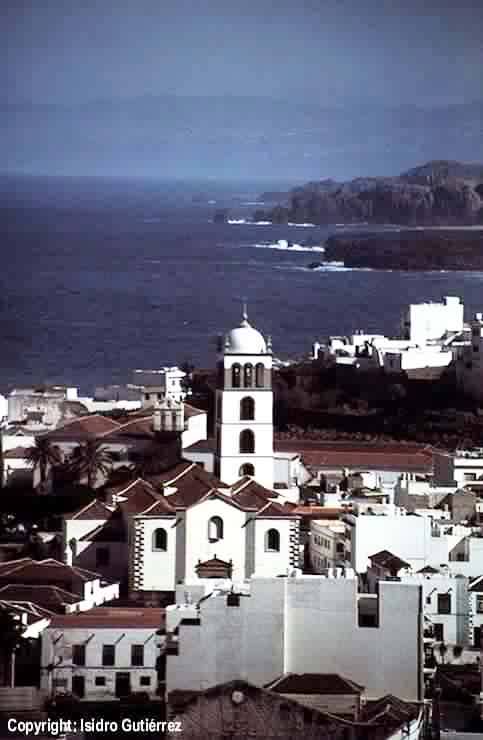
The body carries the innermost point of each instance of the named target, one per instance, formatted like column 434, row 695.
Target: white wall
column 266, row 562
column 196, row 429
column 158, row 567
column 95, row 639
column 303, row 624
column 198, row 546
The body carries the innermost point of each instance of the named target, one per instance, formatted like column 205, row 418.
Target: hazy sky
column 329, row 51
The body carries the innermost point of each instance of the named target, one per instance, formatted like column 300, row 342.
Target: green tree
column 43, row 455
column 90, row 459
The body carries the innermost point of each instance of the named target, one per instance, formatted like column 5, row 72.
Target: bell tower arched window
column 248, row 375
column 272, row 540
column 246, row 469
column 247, row 442
column 215, row 529
column 247, row 409
column 160, row 540
column 259, row 375
column 236, row 375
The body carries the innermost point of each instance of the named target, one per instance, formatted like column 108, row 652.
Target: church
column 226, row 510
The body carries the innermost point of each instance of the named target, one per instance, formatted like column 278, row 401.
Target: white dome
column 245, row 340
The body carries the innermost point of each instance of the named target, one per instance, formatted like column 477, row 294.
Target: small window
column 259, row 375
column 248, row 375
column 160, row 539
column 100, row 681
column 160, row 396
column 444, row 603
column 479, row 604
column 147, row 396
column 439, row 632
column 102, row 557
column 247, row 409
column 137, row 655
column 145, row 681
column 246, row 469
column 215, row 529
column 79, row 654
column 247, row 442
column 272, row 543
column 428, row 600
column 236, row 375
column 108, row 655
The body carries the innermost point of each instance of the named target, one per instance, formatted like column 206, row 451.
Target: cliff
column 437, row 193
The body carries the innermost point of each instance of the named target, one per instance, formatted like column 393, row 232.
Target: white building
column 194, row 529
column 326, row 544
column 424, row 322
column 103, row 654
column 459, row 469
column 299, row 624
column 156, row 385
column 475, row 593
column 44, row 407
column 244, row 407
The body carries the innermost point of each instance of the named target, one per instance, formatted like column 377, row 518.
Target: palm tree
column 42, row 455
column 89, row 459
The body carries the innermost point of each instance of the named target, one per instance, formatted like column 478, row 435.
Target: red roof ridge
column 80, row 419
column 85, row 508
column 162, row 501
column 168, row 483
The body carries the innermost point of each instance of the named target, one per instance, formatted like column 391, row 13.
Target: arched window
column 248, row 375
column 215, row 529
column 246, row 469
column 247, row 442
column 160, row 539
column 236, row 375
column 259, row 375
column 247, row 409
column 272, row 540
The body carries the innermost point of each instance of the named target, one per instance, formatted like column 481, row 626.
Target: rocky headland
column 440, row 193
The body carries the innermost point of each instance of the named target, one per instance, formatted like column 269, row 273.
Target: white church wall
column 269, row 562
column 157, row 567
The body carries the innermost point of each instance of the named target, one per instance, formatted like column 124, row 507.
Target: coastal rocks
column 410, row 250
column 441, row 193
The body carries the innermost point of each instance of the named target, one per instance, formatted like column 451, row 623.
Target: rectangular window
column 137, row 655
column 479, row 604
column 470, row 476
column 79, row 654
column 100, row 681
column 428, row 600
column 108, row 654
column 145, row 681
column 444, row 604
column 439, row 632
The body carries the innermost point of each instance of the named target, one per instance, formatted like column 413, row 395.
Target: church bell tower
column 244, row 407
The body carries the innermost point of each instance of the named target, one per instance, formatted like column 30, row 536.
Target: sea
column 100, row 276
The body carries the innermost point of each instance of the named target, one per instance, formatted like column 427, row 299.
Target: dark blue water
column 102, row 276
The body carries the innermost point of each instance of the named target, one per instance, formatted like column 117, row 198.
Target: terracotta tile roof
column 95, row 510
column 162, row 507
column 203, row 445
column 113, row 530
column 315, row 683
column 386, row 559
column 214, row 568
column 192, row 485
column 17, row 452
column 91, row 426
column 51, row 598
column 112, row 617
column 43, row 572
column 250, row 494
column 428, row 569
column 389, row 711
column 273, row 510
column 139, row 495
column 169, row 476
column 34, row 613
column 398, row 458
column 321, row 512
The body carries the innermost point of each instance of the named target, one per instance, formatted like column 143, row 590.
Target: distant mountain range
column 439, row 192
column 233, row 138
